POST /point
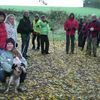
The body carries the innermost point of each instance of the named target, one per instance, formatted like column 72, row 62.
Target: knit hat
column 37, row 15
column 3, row 14
column 10, row 40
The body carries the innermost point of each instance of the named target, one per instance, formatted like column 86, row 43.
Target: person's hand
column 91, row 29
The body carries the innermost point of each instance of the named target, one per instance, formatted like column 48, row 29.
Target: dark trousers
column 98, row 39
column 34, row 36
column 68, row 43
column 83, row 42
column 44, row 44
column 25, row 43
column 80, row 37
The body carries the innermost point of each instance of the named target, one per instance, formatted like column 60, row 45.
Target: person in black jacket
column 25, row 28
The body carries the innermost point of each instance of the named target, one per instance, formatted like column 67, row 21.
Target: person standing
column 11, row 27
column 93, row 29
column 36, row 33
column 80, row 34
column 70, row 26
column 25, row 28
column 3, row 33
column 45, row 29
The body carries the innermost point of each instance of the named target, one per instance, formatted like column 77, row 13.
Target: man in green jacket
column 45, row 29
column 36, row 33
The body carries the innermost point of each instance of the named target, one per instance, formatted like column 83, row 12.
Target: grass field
column 77, row 10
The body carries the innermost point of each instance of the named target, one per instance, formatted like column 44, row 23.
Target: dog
column 15, row 77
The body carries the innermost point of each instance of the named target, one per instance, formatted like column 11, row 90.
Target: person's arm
column 5, row 63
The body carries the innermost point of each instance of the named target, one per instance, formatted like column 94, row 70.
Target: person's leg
column 33, row 40
column 42, row 44
column 72, row 44
column 27, row 43
column 83, row 42
column 46, row 44
column 67, row 43
column 89, row 45
column 94, row 42
column 80, row 39
column 38, row 41
column 23, row 43
column 26, row 38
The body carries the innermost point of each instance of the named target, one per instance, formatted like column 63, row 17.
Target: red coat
column 70, row 26
column 3, row 36
column 94, row 25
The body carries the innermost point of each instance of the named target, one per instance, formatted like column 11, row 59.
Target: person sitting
column 6, row 61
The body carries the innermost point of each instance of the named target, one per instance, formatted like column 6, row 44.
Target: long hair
column 16, row 53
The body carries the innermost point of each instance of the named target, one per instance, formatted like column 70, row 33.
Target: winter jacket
column 70, row 26
column 36, row 26
column 6, row 60
column 96, row 27
column 44, row 27
column 24, row 26
column 11, row 31
column 3, row 36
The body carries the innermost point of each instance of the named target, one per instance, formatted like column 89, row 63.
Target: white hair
column 7, row 18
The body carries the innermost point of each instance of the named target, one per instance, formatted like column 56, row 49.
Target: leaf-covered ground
column 60, row 76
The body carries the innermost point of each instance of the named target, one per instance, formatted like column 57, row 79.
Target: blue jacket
column 6, row 60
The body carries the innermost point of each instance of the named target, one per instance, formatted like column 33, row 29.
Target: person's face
column 93, row 18
column 11, row 19
column 9, row 46
column 36, row 18
column 1, row 18
column 43, row 18
column 26, row 14
column 71, row 16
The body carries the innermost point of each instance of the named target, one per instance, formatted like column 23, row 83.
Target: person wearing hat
column 11, row 28
column 6, row 60
column 93, row 29
column 3, row 33
column 36, row 33
column 45, row 29
column 25, row 28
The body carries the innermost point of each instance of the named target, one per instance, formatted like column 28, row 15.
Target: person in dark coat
column 80, row 34
column 25, row 28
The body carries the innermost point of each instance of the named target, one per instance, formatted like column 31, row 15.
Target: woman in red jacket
column 3, row 33
column 70, row 26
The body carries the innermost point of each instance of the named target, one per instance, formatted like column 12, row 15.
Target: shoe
column 94, row 55
column 22, row 89
column 26, row 56
column 33, row 48
column 47, row 53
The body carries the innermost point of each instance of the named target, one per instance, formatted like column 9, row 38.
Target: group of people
column 88, row 30
column 8, row 48
column 8, row 40
column 39, row 29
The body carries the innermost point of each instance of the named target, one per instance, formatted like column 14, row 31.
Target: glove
column 91, row 29
column 22, row 64
column 16, row 44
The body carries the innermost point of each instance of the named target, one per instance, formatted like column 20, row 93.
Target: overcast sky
column 66, row 3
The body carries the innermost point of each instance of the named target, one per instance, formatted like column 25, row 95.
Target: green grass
column 77, row 10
